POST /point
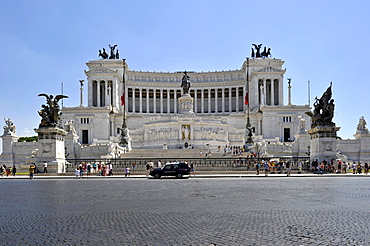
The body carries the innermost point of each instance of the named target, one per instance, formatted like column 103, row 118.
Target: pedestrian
column 32, row 170
column 344, row 167
column 266, row 167
column 7, row 170
column 159, row 164
column 354, row 168
column 200, row 154
column 45, row 165
column 2, row 171
column 88, row 169
column 258, row 168
column 147, row 168
column 77, row 172
column 300, row 165
column 366, row 168
column 94, row 167
column 192, row 169
column 110, row 169
column 133, row 166
column 127, row 172
column 288, row 169
column 14, row 170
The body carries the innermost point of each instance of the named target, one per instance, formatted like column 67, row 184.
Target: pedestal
column 186, row 104
column 51, row 149
column 323, row 143
column 7, row 156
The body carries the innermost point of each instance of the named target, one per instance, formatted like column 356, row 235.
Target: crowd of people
column 7, row 170
column 95, row 168
column 339, row 166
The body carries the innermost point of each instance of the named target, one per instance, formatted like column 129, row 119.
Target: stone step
column 171, row 153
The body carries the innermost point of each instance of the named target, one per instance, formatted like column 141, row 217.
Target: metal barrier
column 204, row 165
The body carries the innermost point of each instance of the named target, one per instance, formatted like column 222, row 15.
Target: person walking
column 32, row 170
column 266, row 167
column 366, row 168
column 258, row 168
column 14, row 171
column 192, row 169
column 127, row 172
column 288, row 169
column 45, row 167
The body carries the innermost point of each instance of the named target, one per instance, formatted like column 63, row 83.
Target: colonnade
column 102, row 93
column 269, row 93
column 164, row 101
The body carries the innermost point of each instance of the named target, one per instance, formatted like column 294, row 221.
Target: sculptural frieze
column 51, row 113
column 323, row 112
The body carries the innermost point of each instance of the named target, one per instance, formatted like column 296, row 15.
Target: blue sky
column 46, row 43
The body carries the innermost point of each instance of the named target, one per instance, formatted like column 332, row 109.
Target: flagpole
column 248, row 125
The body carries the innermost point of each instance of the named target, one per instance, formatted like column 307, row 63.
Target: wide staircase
column 174, row 153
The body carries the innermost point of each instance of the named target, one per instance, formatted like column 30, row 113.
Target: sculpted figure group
column 113, row 54
column 257, row 52
column 50, row 113
column 323, row 112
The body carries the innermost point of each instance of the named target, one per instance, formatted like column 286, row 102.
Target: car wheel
column 157, row 176
column 179, row 176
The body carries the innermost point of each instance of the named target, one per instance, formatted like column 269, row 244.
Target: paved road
column 227, row 211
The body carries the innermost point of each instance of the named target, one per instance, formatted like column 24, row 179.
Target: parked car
column 177, row 169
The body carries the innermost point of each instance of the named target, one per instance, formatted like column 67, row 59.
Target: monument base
column 186, row 104
column 323, row 143
column 51, row 149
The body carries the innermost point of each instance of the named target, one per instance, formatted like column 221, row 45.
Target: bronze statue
column 323, row 112
column 112, row 55
column 185, row 84
column 257, row 54
column 103, row 55
column 257, row 47
column 50, row 113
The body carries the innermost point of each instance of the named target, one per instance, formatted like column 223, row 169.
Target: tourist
column 159, row 164
column 339, row 166
column 266, row 167
column 127, row 172
column 45, row 167
column 88, row 169
column 7, row 170
column 366, row 168
column 359, row 168
column 32, row 170
column 110, row 169
column 354, row 168
column 133, row 166
column 200, row 154
column 258, row 168
column 14, row 170
column 94, row 167
column 148, row 168
column 77, row 172
column 192, row 169
column 288, row 169
column 2, row 170
column 345, row 166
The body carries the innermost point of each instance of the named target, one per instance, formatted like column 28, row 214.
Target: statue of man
column 185, row 84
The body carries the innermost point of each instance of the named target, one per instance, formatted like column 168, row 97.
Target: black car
column 177, row 169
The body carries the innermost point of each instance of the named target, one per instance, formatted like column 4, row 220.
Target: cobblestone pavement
column 234, row 211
